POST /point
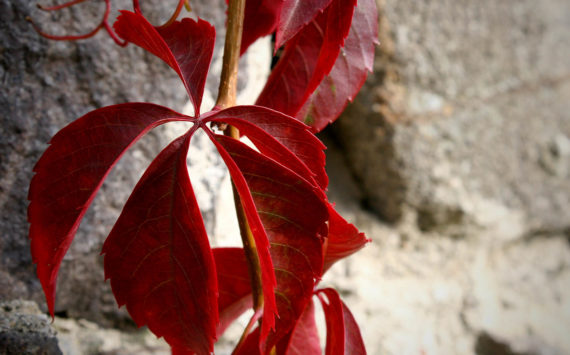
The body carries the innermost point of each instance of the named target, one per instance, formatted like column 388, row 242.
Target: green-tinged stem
column 227, row 98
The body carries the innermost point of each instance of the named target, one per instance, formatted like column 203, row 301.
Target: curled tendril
column 104, row 24
column 59, row 7
column 185, row 3
column 174, row 16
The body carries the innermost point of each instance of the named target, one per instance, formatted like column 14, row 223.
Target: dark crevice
column 366, row 133
column 487, row 345
column 61, row 314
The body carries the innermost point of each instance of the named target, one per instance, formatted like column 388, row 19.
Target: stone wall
column 466, row 114
column 454, row 159
column 460, row 144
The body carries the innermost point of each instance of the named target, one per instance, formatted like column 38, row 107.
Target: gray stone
column 459, row 141
column 24, row 330
column 468, row 108
column 414, row 292
column 79, row 336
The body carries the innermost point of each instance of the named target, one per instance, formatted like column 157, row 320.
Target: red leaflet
column 281, row 138
column 158, row 256
column 293, row 214
column 261, row 17
column 261, row 241
column 186, row 46
column 343, row 335
column 234, row 285
column 181, row 351
column 347, row 76
column 295, row 15
column 71, row 170
column 287, row 83
column 304, row 339
column 339, row 19
column 343, row 239
column 307, row 58
column 250, row 346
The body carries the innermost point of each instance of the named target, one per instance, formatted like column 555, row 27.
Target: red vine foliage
column 157, row 256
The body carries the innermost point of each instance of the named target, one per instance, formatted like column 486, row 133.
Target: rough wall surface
column 467, row 111
column 460, row 140
column 25, row 330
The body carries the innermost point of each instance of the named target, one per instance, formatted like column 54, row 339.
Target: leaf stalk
column 227, row 94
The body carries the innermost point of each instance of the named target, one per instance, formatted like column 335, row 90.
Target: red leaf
column 186, row 46
column 261, row 241
column 260, row 19
column 234, row 285
column 250, row 345
column 304, row 339
column 343, row 334
column 307, row 58
column 343, row 239
column 71, row 170
column 349, row 71
column 158, row 256
column 281, row 138
column 180, row 351
column 339, row 19
column 295, row 15
column 294, row 216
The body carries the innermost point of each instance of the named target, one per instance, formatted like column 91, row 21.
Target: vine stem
column 228, row 81
column 227, row 94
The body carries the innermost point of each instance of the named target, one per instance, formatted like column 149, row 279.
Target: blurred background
column 454, row 159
